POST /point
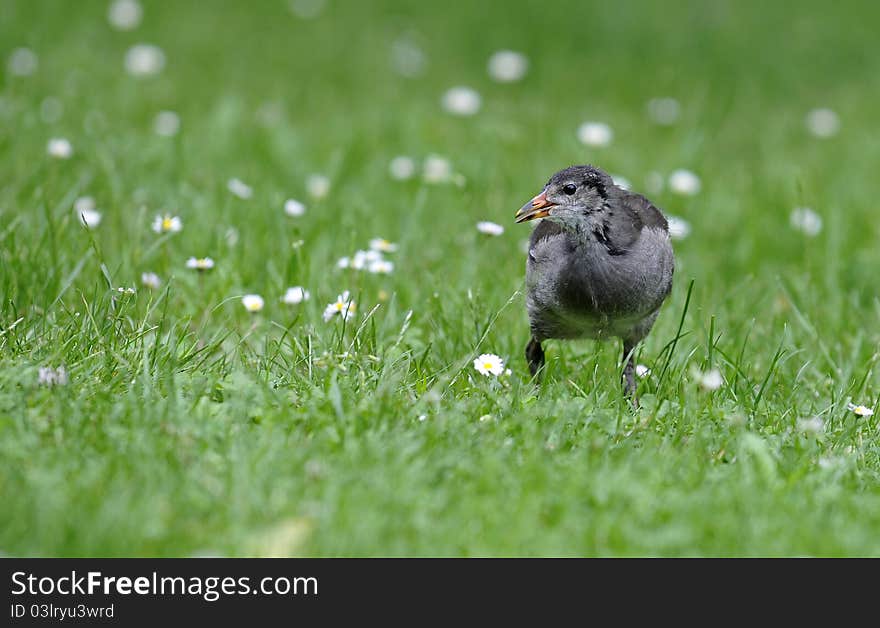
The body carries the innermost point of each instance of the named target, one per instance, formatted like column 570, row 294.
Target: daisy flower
column 252, row 302
column 490, row 228
column 710, row 380
column 343, row 306
column 679, row 228
column 89, row 217
column 22, row 62
column 402, row 168
column 166, row 123
column 436, row 169
column 59, row 148
column 151, row 281
column 144, row 60
column 382, row 245
column 823, row 123
column 663, row 111
column 507, row 66
column 806, row 221
column 48, row 376
column 596, row 134
column 125, row 15
column 381, row 266
column 294, row 208
column 318, row 186
column 684, row 182
column 200, row 264
column 239, row 188
column 859, row 410
column 295, row 295
column 461, row 101
column 167, row 223
column 642, row 371
column 407, row 58
column 489, row 364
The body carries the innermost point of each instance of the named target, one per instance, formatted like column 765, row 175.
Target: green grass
column 191, row 427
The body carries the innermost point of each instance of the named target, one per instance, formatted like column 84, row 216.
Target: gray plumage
column 599, row 265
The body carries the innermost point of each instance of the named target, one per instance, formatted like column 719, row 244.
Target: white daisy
column 436, row 169
column 407, row 58
column 507, row 66
column 684, row 182
column 252, row 302
column 382, row 245
column 642, row 371
column 859, row 410
column 318, row 186
column 710, row 380
column 679, row 228
column 381, row 266
column 166, row 123
column 59, row 148
column 126, row 291
column 813, row 425
column 402, row 168
column 490, row 228
column 343, row 306
column 343, row 262
column 295, row 295
column 595, row 134
column 823, row 123
column 461, row 101
column 22, row 62
column 663, row 111
column 144, row 60
column 48, row 376
column 151, row 281
column 239, row 188
column 806, row 221
column 91, row 218
column 200, row 263
column 489, row 364
column 125, row 15
column 84, row 203
column 167, row 223
column 294, row 208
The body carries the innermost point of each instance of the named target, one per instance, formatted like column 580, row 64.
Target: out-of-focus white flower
column 200, row 263
column 490, row 228
column 125, row 15
column 151, row 281
column 343, row 262
column 318, row 186
column 126, row 291
column 679, row 228
column 595, row 134
column 684, row 182
column 812, row 425
column 381, row 266
column 296, row 295
column 343, row 306
column 91, row 218
column 402, row 168
column 489, row 364
column 167, row 223
column 51, row 110
column 59, row 148
column 239, row 188
column 436, row 169
column 621, row 182
column 166, row 123
column 252, row 302
column 294, row 208
column 806, row 221
column 22, row 62
column 407, row 58
column 710, row 380
column 642, row 371
column 144, row 60
column 507, row 66
column 84, row 203
column 231, row 236
column 823, row 122
column 663, row 111
column 461, row 101
column 48, row 376
column 382, row 245
column 307, row 9
column 859, row 410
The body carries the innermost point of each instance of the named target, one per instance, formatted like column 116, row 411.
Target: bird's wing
column 623, row 225
column 544, row 229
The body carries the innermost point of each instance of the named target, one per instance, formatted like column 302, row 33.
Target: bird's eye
column 569, row 188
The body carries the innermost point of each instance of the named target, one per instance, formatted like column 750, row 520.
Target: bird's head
column 569, row 196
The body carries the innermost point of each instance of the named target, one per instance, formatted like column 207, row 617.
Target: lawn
column 184, row 424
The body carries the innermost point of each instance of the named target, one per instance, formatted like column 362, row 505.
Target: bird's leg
column 534, row 356
column 629, row 367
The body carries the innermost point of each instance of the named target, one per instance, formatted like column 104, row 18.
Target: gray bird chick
column 599, row 266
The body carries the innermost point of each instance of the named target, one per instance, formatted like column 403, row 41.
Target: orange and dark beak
column 538, row 207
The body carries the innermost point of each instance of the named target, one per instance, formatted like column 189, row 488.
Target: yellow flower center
column 488, row 366
column 166, row 223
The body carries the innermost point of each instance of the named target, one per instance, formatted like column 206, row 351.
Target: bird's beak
column 538, row 207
